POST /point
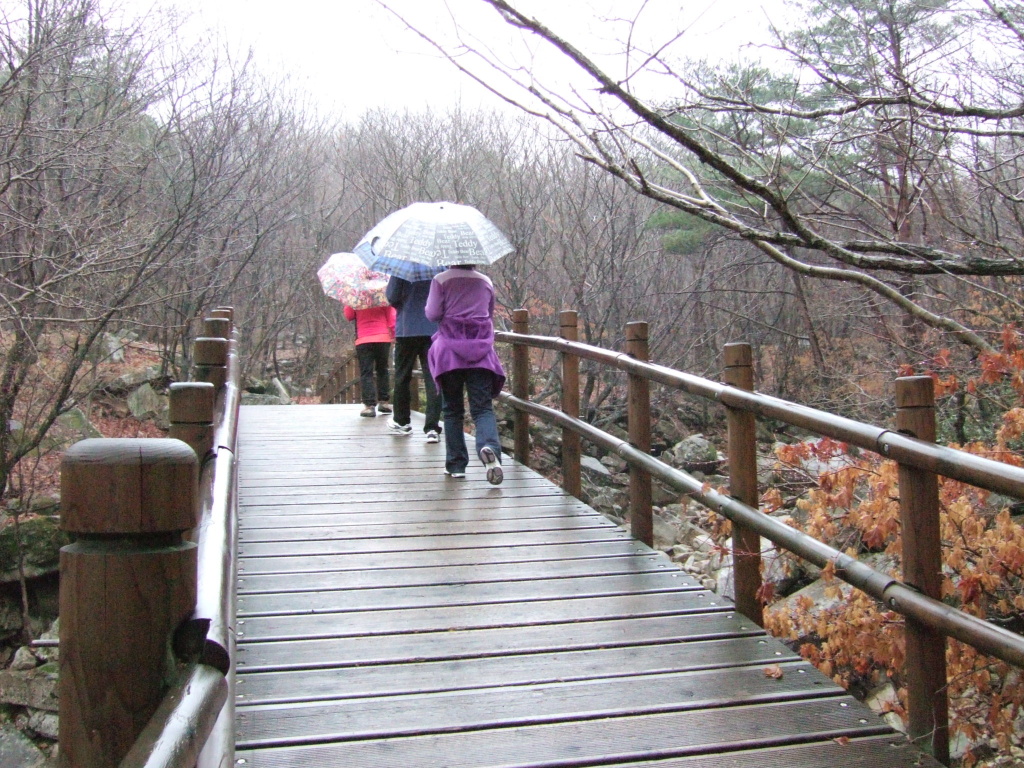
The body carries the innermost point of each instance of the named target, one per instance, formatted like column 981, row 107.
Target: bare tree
column 840, row 167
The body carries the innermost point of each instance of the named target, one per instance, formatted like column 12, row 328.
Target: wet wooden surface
column 391, row 616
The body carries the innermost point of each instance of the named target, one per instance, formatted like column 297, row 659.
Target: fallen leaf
column 774, row 672
column 842, row 740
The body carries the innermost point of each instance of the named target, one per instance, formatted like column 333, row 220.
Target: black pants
column 409, row 349
column 373, row 358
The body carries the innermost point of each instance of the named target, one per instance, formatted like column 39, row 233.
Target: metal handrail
column 980, row 634
column 949, row 462
column 192, row 713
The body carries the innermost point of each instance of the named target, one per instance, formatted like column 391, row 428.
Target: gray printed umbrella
column 435, row 235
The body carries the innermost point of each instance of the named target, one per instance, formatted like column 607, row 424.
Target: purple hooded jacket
column 461, row 302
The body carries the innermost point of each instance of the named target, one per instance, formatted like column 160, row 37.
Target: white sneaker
column 456, row 475
column 492, row 465
column 433, row 437
column 395, row 428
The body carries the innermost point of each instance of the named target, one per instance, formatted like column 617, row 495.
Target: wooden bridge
column 390, row 616
column 344, row 603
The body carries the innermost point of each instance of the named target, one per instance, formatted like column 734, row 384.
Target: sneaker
column 384, row 407
column 433, row 437
column 399, row 429
column 492, row 465
column 456, row 474
column 369, row 411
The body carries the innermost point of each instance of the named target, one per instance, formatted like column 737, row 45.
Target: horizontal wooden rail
column 948, row 462
column 983, row 635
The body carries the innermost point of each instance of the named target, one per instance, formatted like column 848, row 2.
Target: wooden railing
column 147, row 587
column 342, row 384
column 928, row 620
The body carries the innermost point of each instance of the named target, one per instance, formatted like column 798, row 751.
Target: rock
column 666, row 535
column 132, row 380
column 883, row 700
column 694, row 452
column 45, row 724
column 76, row 422
column 16, row 750
column 49, row 653
column 614, row 464
column 24, row 659
column 595, row 467
column 249, row 398
column 35, row 688
column 662, row 495
column 282, row 391
column 41, row 539
column 146, row 403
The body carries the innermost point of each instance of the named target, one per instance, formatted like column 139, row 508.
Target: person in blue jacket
column 413, row 333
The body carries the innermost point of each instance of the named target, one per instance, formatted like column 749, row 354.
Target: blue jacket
column 409, row 299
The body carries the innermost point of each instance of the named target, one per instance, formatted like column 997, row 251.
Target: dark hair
column 463, row 266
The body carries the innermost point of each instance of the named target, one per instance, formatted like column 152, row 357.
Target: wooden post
column 227, row 312
column 521, row 386
column 568, row 323
column 742, row 446
column 927, row 700
column 353, row 394
column 216, row 327
column 191, row 415
column 126, row 583
column 641, row 514
column 211, row 361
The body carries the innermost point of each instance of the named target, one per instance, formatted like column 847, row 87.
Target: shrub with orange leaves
column 855, row 506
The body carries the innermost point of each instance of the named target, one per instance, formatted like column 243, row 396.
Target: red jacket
column 373, row 325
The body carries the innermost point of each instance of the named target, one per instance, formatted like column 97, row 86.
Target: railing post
column 568, row 322
column 927, row 700
column 352, row 394
column 216, row 327
column 742, row 446
column 211, row 361
column 126, row 583
column 521, row 386
column 641, row 514
column 191, row 415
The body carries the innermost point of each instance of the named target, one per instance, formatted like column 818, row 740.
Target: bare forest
column 855, row 211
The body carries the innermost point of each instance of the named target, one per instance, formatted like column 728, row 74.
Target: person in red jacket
column 375, row 330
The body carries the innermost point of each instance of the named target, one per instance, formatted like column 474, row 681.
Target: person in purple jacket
column 463, row 362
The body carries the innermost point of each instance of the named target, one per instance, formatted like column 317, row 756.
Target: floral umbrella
column 345, row 278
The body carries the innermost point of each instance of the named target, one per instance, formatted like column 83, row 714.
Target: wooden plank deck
column 391, row 616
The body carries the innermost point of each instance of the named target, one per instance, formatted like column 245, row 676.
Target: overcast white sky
column 351, row 55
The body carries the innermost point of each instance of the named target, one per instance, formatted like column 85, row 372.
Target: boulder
column 248, row 398
column 16, row 749
column 281, row 391
column 77, row 423
column 146, row 403
column 41, row 539
column 132, row 380
column 595, row 470
column 35, row 688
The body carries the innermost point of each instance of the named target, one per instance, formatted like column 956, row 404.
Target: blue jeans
column 476, row 383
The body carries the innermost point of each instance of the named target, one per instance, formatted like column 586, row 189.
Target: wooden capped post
column 568, row 322
column 742, row 445
column 521, row 386
column 927, row 700
column 226, row 312
column 353, row 394
column 126, row 584
column 641, row 514
column 191, row 415
column 217, row 327
column 211, row 361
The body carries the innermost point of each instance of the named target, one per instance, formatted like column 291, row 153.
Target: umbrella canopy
column 345, row 278
column 435, row 235
column 407, row 270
